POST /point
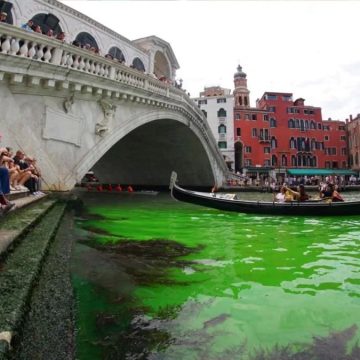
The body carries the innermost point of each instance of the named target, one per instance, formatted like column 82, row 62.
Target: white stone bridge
column 75, row 110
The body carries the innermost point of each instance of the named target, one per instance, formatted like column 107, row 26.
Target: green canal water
column 158, row 279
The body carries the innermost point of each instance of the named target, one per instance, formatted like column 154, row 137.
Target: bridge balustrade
column 38, row 47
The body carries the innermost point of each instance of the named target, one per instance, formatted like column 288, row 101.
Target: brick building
column 280, row 133
column 353, row 135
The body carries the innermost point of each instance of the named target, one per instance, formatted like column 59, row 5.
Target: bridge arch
column 138, row 64
column 133, row 148
column 117, row 54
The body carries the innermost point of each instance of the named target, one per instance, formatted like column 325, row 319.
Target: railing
column 38, row 47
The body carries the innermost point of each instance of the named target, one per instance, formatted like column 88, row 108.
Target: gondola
column 230, row 203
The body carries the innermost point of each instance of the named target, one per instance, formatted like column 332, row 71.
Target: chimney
column 351, row 118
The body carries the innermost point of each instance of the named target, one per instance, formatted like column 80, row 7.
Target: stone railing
column 38, row 47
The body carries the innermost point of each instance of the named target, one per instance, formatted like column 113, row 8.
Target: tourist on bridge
column 28, row 26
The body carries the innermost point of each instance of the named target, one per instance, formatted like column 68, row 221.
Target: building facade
column 282, row 133
column 353, row 136
column 217, row 104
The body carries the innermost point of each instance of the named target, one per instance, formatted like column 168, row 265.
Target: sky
column 308, row 48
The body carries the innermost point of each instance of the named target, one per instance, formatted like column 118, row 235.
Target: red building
column 280, row 133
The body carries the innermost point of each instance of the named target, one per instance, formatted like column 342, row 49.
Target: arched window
column 293, row 160
column 272, row 122
column 351, row 160
column 246, row 102
column 302, row 126
column 47, row 22
column 116, row 53
column 344, row 165
column 297, row 123
column 222, row 129
column 312, row 125
column 304, row 160
column 221, row 113
column 313, row 144
column 309, row 161
column 138, row 64
column 274, row 160
column 357, row 159
column 283, row 160
column 240, row 100
column 86, row 40
column 314, row 161
column 306, row 124
column 299, row 160
column 205, row 113
column 291, row 124
column 273, row 142
column 292, row 143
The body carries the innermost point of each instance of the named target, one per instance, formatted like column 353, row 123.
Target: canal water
column 159, row 279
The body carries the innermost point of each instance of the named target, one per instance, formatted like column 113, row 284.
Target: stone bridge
column 74, row 111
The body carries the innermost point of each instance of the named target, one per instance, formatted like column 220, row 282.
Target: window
column 222, row 144
column 273, row 143
column 287, row 98
column 343, row 151
column 246, row 102
column 221, row 113
column 297, row 123
column 293, row 111
column 327, row 164
column 247, row 117
column 254, row 132
column 270, row 97
column 267, row 150
column 222, row 129
column 292, row 143
column 341, row 128
column 202, row 102
column 326, row 138
column 253, row 117
column 266, row 162
column 238, row 132
column 266, row 117
column 312, row 125
column 343, row 137
column 222, row 100
column 272, row 123
column 326, row 127
column 283, row 160
column 274, row 160
column 247, row 162
column 248, row 149
column 271, row 108
column 237, row 116
column 293, row 160
column 291, row 124
column 204, row 112
column 308, row 111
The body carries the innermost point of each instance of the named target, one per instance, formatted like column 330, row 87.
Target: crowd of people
column 18, row 172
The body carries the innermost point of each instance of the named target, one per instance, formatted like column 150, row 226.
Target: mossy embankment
column 19, row 272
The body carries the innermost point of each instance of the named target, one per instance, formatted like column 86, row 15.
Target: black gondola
column 221, row 202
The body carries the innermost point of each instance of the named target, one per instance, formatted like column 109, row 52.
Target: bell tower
column 241, row 92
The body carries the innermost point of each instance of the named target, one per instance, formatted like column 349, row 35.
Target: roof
column 301, row 172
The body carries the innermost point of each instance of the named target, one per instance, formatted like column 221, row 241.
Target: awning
column 323, row 172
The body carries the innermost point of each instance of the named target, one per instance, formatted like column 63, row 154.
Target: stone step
column 20, row 219
column 21, row 268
